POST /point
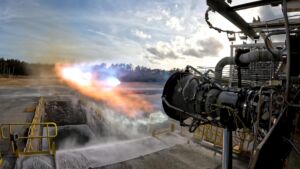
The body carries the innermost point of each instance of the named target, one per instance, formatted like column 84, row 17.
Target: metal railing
column 1, row 160
column 214, row 135
column 34, row 129
column 30, row 143
column 156, row 132
column 33, row 140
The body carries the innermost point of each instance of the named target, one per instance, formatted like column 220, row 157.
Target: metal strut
column 227, row 149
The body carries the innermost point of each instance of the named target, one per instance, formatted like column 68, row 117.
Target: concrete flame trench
column 87, row 139
column 91, row 136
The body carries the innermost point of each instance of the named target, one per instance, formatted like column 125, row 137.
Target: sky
column 154, row 33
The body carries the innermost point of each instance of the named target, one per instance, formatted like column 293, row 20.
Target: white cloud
column 180, row 47
column 170, row 20
column 165, row 13
column 162, row 50
column 180, row 36
column 171, row 30
column 174, row 23
column 154, row 18
column 141, row 34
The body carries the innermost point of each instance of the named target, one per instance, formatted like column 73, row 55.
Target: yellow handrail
column 29, row 150
column 156, row 132
column 214, row 135
column 33, row 137
column 9, row 126
column 1, row 160
column 33, row 129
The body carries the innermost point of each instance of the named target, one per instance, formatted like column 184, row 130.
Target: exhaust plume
column 102, row 87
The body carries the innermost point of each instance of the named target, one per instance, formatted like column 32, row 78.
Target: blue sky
column 152, row 33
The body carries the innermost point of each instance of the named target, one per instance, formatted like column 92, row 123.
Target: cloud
column 170, row 20
column 192, row 52
column 162, row 50
column 124, row 31
column 165, row 13
column 268, row 12
column 141, row 34
column 174, row 23
column 208, row 47
column 180, row 47
column 10, row 9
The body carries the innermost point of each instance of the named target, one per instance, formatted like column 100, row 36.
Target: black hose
column 195, row 116
column 205, row 77
column 267, row 38
column 194, row 125
column 280, row 32
column 288, row 48
column 194, row 69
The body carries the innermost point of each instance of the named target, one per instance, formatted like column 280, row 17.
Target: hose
column 288, row 48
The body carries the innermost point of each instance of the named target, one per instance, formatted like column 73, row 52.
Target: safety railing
column 33, row 141
column 34, row 129
column 1, row 160
column 156, row 132
column 210, row 134
column 36, row 133
column 214, row 135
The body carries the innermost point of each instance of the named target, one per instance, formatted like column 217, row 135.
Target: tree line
column 129, row 73
column 124, row 72
column 13, row 67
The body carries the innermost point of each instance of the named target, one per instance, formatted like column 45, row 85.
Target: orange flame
column 121, row 100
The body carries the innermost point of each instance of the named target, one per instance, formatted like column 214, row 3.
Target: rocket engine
column 192, row 94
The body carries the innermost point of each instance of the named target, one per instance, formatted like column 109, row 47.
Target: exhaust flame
column 103, row 88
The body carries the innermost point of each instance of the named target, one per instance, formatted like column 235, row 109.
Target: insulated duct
column 244, row 58
column 259, row 56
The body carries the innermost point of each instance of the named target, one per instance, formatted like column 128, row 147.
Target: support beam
column 227, row 149
column 275, row 24
column 225, row 10
column 255, row 4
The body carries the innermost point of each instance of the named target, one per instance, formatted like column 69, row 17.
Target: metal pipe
column 227, row 149
column 260, row 56
column 259, row 104
column 254, row 56
column 267, row 40
column 270, row 109
column 239, row 73
column 195, row 116
column 278, row 32
column 191, row 67
column 221, row 64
